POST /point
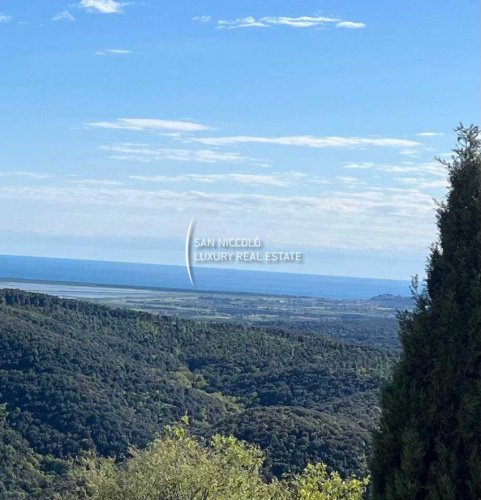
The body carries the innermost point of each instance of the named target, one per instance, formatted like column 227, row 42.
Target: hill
column 78, row 376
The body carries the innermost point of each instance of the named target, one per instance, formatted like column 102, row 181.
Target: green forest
column 78, row 377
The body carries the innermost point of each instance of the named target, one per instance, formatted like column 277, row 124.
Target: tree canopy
column 429, row 442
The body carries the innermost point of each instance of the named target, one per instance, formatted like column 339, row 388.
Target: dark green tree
column 429, row 442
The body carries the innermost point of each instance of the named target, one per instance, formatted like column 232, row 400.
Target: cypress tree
column 429, row 441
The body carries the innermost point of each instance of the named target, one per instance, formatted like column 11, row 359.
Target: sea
column 169, row 277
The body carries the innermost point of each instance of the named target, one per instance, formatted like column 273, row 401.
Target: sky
column 312, row 125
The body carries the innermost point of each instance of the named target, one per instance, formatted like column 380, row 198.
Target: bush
column 179, row 467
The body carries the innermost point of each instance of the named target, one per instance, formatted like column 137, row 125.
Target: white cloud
column 114, row 52
column 147, row 153
column 359, row 165
column 310, row 141
column 350, row 25
column 4, row 18
column 32, row 175
column 266, row 180
column 172, row 178
column 102, row 6
column 424, row 168
column 349, row 180
column 244, row 22
column 150, row 124
column 374, row 218
column 274, row 180
column 299, row 22
column 292, row 22
column 423, row 182
column 63, row 16
column 22, row 173
column 409, row 152
column 97, row 182
column 430, row 134
column 202, row 19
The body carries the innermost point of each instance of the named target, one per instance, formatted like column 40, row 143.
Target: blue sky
column 310, row 124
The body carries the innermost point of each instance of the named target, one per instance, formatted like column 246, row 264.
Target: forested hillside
column 78, row 376
column 21, row 469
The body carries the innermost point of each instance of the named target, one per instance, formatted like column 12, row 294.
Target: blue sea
column 207, row 279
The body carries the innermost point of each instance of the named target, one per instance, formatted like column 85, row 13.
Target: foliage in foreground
column 179, row 467
column 429, row 444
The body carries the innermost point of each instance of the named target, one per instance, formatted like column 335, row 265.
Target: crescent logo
column 188, row 251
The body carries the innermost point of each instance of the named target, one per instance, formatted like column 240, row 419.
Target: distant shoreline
column 169, row 278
